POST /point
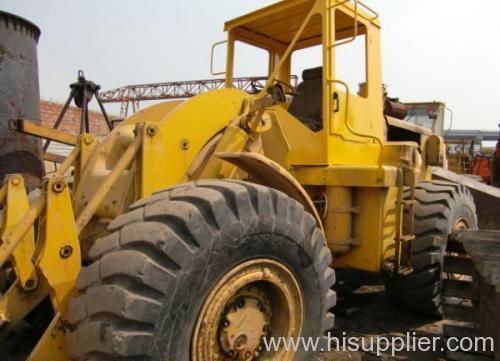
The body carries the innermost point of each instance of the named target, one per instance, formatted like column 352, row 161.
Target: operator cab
column 331, row 105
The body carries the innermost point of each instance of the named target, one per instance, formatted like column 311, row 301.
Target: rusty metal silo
column 19, row 97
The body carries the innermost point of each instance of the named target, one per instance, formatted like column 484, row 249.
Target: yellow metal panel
column 338, row 220
column 352, row 176
column 14, row 210
column 306, row 146
column 88, row 142
column 397, row 152
column 196, row 122
column 151, row 160
column 156, row 112
column 60, row 258
column 345, row 147
column 369, row 228
column 275, row 144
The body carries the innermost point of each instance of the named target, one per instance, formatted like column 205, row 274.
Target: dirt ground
column 364, row 309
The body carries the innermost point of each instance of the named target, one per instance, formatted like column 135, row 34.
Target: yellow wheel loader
column 197, row 229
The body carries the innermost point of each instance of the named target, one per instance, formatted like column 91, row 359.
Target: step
column 461, row 313
column 407, row 238
column 459, row 265
column 460, row 289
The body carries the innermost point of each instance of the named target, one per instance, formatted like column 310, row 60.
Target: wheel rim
column 460, row 225
column 256, row 299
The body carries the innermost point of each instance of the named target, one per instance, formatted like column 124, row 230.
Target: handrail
column 212, row 58
column 376, row 14
column 356, row 4
column 346, row 41
column 366, row 7
column 451, row 122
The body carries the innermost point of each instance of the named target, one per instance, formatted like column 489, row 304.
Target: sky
column 444, row 50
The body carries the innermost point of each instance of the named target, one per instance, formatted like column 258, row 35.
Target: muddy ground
column 364, row 309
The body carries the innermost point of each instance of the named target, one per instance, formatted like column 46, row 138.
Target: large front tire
column 145, row 295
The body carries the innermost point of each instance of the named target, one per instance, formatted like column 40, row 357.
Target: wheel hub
column 244, row 323
column 249, row 302
column 460, row 225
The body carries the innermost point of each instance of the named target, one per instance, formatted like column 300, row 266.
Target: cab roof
column 281, row 21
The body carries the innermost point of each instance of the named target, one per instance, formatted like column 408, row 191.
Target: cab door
column 354, row 106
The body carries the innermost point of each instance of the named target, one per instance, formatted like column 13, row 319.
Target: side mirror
column 212, row 58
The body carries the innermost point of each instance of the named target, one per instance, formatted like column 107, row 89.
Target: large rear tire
column 183, row 271
column 441, row 208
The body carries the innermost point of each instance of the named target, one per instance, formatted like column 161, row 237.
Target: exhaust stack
column 19, row 97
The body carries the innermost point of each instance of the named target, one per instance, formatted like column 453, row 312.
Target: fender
column 269, row 173
column 181, row 130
